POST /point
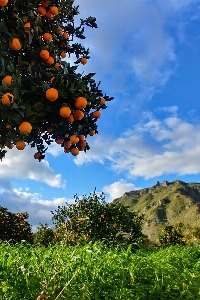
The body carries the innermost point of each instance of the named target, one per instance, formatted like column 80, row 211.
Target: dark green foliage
column 92, row 219
column 14, row 226
column 172, row 235
column 44, row 236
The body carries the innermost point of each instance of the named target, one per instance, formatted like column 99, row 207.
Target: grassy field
column 96, row 272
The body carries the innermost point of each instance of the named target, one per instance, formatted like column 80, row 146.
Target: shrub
column 44, row 236
column 92, row 219
column 172, row 235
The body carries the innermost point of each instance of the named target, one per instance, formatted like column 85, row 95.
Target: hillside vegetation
column 167, row 202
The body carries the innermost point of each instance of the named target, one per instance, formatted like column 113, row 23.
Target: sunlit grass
column 97, row 272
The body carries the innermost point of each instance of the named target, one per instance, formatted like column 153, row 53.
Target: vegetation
column 43, row 97
column 94, row 271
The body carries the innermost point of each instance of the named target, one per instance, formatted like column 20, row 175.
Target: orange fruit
column 102, row 101
column 8, row 80
column 57, row 65
column 20, row 145
column 96, row 114
column 70, row 119
column 62, row 54
column 59, row 140
column 81, row 137
column 44, row 3
column 51, row 94
column 7, row 99
column 60, row 30
column 67, row 144
column 50, row 60
column 65, row 35
column 80, row 102
column 11, row 146
column 54, row 10
column 8, row 126
column 47, row 37
column 74, row 151
column 15, row 44
column 84, row 60
column 27, row 25
column 65, row 111
column 3, row 2
column 37, row 155
column 44, row 54
column 48, row 15
column 92, row 132
column 25, row 127
column 82, row 144
column 74, row 139
column 41, row 11
column 78, row 115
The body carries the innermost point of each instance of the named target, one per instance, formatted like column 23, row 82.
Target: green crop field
column 94, row 271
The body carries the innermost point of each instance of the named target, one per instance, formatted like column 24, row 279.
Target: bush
column 14, row 226
column 44, row 236
column 92, row 219
column 172, row 235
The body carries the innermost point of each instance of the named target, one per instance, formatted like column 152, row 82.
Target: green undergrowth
column 94, row 272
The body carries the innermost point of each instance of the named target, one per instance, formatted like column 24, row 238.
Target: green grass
column 96, row 272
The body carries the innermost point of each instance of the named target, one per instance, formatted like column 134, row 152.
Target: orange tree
column 172, row 235
column 90, row 218
column 43, row 97
column 14, row 226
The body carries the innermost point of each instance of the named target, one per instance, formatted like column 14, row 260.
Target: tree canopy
column 43, row 97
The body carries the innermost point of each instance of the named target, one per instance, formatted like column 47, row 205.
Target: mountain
column 171, row 202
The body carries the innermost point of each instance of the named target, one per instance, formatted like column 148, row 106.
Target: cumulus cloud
column 39, row 210
column 172, row 147
column 21, row 164
column 118, row 188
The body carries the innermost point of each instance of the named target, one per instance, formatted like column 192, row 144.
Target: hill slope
column 171, row 202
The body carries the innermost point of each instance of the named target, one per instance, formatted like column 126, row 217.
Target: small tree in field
column 44, row 236
column 172, row 235
column 14, row 226
column 43, row 99
column 92, row 219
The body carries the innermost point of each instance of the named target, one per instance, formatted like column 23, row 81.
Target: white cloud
column 118, row 188
column 21, row 164
column 152, row 148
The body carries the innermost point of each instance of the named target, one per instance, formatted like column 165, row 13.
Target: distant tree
column 14, row 226
column 90, row 218
column 44, row 236
column 43, row 99
column 172, row 235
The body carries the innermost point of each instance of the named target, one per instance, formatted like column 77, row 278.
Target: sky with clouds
column 146, row 55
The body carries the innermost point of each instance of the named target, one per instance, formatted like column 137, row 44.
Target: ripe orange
column 25, row 127
column 47, row 37
column 74, row 139
column 8, row 80
column 37, row 155
column 80, row 102
column 78, row 115
column 41, row 11
column 67, row 144
column 44, row 3
column 65, row 111
column 81, row 137
column 15, row 44
column 65, row 35
column 84, row 60
column 51, row 94
column 74, row 151
column 62, row 54
column 8, row 126
column 70, row 119
column 102, row 101
column 11, row 146
column 54, row 10
column 48, row 15
column 44, row 54
column 82, row 145
column 60, row 30
column 96, row 114
column 59, row 140
column 57, row 65
column 3, row 2
column 92, row 132
column 50, row 60
column 20, row 145
column 7, row 99
column 27, row 25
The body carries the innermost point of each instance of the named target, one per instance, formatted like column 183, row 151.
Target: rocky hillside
column 171, row 202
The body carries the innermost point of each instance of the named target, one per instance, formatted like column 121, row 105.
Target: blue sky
column 146, row 54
